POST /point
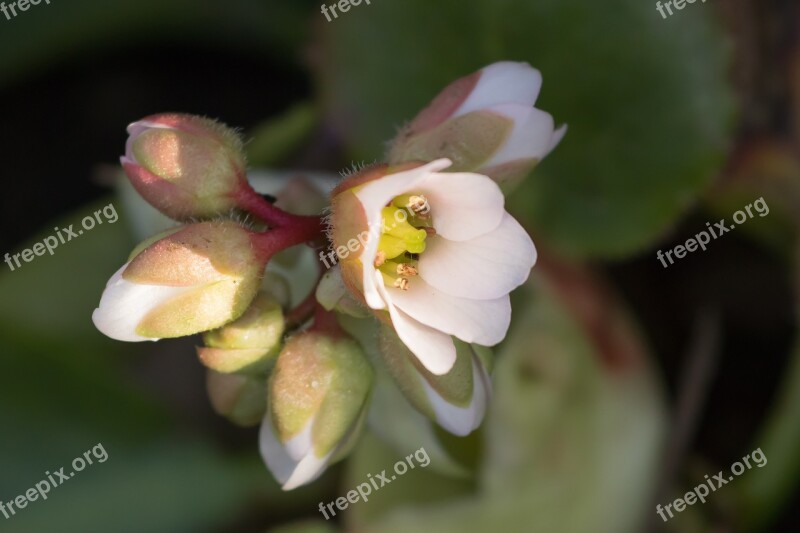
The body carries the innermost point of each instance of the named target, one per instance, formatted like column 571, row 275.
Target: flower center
column 406, row 223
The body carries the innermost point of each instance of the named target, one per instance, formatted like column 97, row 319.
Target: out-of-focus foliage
column 575, row 429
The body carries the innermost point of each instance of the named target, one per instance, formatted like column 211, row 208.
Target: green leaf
column 645, row 99
column 56, row 294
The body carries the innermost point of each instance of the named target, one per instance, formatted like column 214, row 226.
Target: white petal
column 531, row 138
column 483, row 322
column 558, row 135
column 462, row 421
column 124, row 304
column 373, row 197
column 434, row 349
column 289, row 471
column 502, row 83
column 463, row 205
column 483, row 268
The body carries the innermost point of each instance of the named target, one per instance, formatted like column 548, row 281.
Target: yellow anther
column 409, row 271
column 416, row 203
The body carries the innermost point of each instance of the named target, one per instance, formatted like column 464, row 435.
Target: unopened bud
column 249, row 343
column 195, row 279
column 317, row 402
column 185, row 166
column 240, row 399
column 483, row 123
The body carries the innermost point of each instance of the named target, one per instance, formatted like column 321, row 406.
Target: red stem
column 298, row 316
column 272, row 241
column 325, row 322
column 249, row 200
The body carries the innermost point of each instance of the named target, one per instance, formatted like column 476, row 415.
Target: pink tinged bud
column 249, row 344
column 196, row 279
column 240, row 399
column 185, row 166
column 317, row 404
column 484, row 123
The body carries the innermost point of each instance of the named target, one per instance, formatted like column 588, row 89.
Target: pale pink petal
column 484, row 268
column 531, row 137
column 291, row 472
column 463, row 205
column 462, row 421
column 503, row 82
column 483, row 322
column 434, row 349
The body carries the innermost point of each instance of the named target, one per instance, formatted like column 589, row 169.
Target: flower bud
column 484, row 123
column 248, row 344
column 457, row 400
column 317, row 403
column 240, row 399
column 185, row 166
column 195, row 279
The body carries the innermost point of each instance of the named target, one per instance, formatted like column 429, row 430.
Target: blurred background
column 622, row 383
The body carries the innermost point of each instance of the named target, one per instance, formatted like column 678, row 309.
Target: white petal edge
column 434, row 349
column 134, row 130
column 503, row 82
column 483, row 322
column 483, row 268
column 124, row 304
column 461, row 421
column 290, row 472
column 531, row 137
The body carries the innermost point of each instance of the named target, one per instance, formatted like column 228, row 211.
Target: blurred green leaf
column 572, row 434
column 64, row 389
column 57, row 293
column 763, row 493
column 275, row 139
column 645, row 99
column 49, row 34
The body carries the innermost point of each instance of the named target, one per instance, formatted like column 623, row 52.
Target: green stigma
column 405, row 227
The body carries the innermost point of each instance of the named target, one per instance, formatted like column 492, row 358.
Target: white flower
column 455, row 278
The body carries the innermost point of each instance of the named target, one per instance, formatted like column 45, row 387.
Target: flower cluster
column 435, row 259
